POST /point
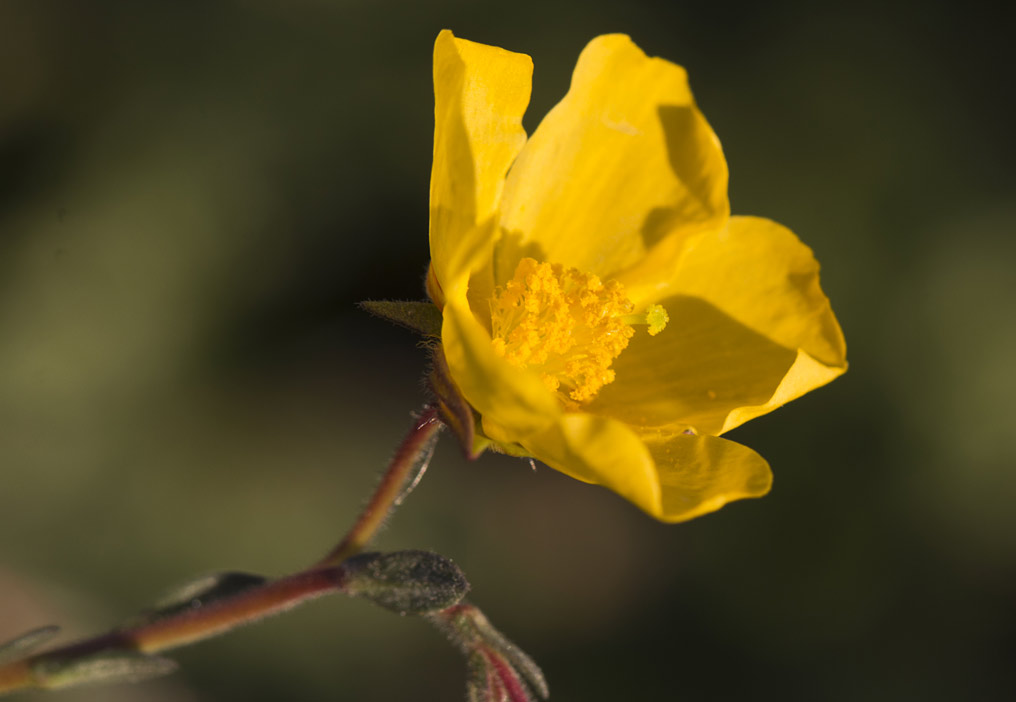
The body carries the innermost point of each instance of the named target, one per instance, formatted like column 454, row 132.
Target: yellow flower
column 602, row 312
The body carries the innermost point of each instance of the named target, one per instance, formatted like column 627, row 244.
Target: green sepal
column 422, row 317
column 455, row 411
column 406, row 582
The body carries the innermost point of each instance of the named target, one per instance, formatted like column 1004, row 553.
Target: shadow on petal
column 702, row 367
column 511, row 248
column 696, row 158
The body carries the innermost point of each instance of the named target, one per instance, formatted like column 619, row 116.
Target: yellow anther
column 566, row 325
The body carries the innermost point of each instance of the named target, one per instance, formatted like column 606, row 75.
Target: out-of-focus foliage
column 193, row 196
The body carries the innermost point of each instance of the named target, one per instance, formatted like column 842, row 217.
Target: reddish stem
column 184, row 627
column 256, row 602
column 392, row 487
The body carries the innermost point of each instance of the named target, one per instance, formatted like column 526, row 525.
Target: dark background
column 193, row 197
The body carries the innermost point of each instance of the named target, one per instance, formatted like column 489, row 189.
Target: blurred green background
column 193, row 195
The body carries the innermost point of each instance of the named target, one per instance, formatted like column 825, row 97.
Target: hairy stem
column 405, row 470
column 204, row 620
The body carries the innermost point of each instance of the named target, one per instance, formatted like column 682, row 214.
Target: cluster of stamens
column 566, row 325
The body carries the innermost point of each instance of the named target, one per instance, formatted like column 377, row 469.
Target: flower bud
column 407, row 582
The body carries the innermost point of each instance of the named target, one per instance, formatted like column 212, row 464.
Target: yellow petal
column 623, row 160
column 480, row 95
column 700, row 474
column 601, row 451
column 672, row 477
column 512, row 399
column 759, row 273
column 750, row 330
column 804, row 375
column 702, row 367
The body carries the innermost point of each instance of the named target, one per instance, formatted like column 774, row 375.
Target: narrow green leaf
column 422, row 317
column 105, row 667
column 26, row 643
column 198, row 593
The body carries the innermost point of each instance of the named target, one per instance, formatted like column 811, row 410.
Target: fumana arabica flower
column 601, row 310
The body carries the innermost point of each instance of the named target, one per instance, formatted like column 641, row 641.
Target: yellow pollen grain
column 565, row 325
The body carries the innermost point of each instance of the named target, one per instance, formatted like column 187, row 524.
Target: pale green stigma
column 655, row 317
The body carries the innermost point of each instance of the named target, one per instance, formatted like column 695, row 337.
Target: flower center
column 565, row 325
